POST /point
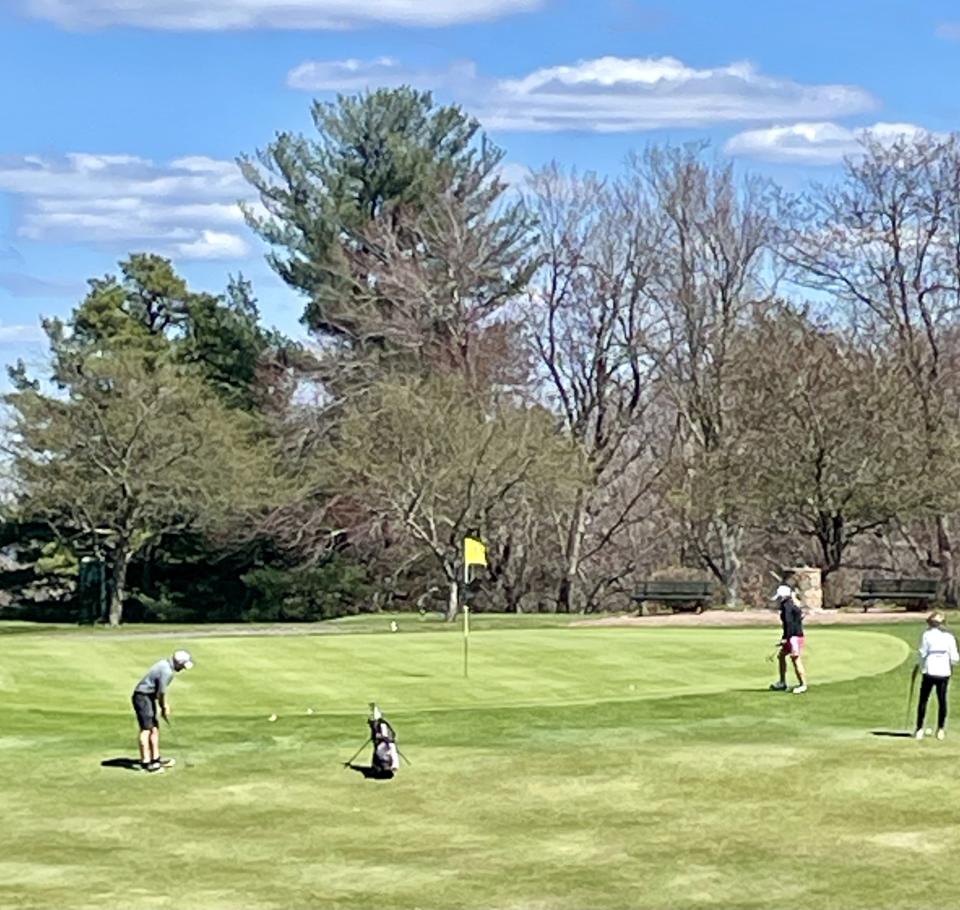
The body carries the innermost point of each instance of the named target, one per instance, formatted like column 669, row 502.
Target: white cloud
column 356, row 75
column 607, row 94
column 29, row 333
column 213, row 245
column 949, row 31
column 813, row 143
column 209, row 15
column 187, row 208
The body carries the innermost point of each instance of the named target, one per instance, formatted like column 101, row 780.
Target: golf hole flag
column 474, row 552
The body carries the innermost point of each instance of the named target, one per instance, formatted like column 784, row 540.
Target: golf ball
column 272, row 718
column 929, row 731
column 309, row 710
column 393, row 626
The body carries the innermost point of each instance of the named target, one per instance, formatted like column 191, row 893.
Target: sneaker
column 941, row 734
column 778, row 687
column 919, row 734
column 154, row 768
column 799, row 690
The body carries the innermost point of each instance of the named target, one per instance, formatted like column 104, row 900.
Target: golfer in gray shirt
column 149, row 698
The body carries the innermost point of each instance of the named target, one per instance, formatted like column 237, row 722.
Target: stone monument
column 808, row 582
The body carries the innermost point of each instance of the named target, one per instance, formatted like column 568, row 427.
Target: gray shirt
column 158, row 679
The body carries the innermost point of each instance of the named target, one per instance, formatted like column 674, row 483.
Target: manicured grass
column 576, row 768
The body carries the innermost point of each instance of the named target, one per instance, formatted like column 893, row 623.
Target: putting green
column 415, row 673
column 610, row 768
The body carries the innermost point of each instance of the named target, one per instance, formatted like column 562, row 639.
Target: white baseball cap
column 782, row 591
column 182, row 659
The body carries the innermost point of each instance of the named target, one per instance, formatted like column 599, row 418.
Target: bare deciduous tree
column 711, row 273
column 886, row 242
column 438, row 463
column 821, row 462
column 587, row 310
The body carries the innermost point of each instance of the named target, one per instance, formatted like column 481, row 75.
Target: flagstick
column 466, row 621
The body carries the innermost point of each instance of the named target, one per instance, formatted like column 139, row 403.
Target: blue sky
column 121, row 118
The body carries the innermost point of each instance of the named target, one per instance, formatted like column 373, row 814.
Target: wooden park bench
column 913, row 593
column 676, row 594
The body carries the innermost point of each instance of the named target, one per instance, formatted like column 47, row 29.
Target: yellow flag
column 474, row 552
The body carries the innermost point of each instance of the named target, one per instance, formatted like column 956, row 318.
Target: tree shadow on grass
column 129, row 764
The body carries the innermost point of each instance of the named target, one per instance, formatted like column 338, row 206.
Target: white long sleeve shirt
column 938, row 652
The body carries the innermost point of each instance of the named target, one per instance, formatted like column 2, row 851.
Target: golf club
column 176, row 743
column 913, row 682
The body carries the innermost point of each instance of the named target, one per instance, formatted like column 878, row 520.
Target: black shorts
column 145, row 707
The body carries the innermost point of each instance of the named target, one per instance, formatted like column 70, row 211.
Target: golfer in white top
column 937, row 656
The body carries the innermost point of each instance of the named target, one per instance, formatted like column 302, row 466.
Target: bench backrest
column 677, row 589
column 906, row 586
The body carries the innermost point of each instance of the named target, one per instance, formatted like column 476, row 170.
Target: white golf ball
column 309, row 710
column 929, row 731
column 272, row 718
column 393, row 626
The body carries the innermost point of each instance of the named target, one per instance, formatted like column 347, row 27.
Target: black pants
column 927, row 683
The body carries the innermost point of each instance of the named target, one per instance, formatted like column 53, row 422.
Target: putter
column 913, row 683
column 176, row 743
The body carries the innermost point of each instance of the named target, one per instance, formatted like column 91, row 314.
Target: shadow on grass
column 370, row 773
column 129, row 764
column 900, row 734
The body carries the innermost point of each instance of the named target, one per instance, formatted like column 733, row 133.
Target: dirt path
column 751, row 618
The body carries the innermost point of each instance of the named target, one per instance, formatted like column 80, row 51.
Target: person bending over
column 150, row 703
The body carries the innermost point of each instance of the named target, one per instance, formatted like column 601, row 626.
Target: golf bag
column 386, row 756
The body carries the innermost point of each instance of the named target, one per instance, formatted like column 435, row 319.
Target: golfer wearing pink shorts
column 791, row 642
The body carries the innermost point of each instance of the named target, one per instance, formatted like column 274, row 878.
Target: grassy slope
column 694, row 789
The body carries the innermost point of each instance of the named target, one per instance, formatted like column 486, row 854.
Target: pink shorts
column 793, row 647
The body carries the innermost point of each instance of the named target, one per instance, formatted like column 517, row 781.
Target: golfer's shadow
column 901, row 734
column 369, row 773
column 130, row 764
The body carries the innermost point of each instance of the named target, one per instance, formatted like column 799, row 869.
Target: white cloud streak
column 357, row 75
column 813, row 143
column 949, row 31
column 23, row 286
column 186, row 208
column 606, row 94
column 29, row 333
column 221, row 15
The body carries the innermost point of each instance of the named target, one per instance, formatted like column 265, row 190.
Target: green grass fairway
column 577, row 768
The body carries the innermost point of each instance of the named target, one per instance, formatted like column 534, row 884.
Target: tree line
column 675, row 371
